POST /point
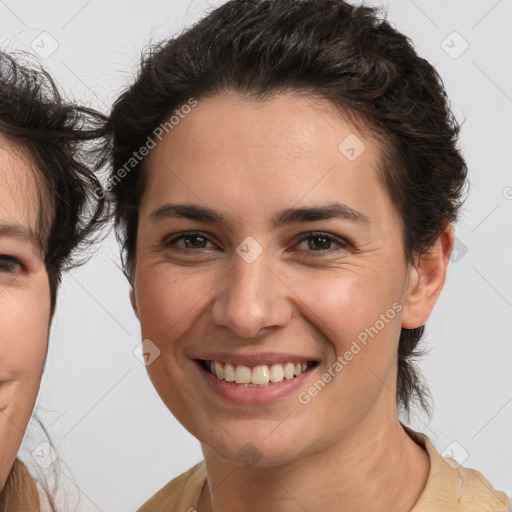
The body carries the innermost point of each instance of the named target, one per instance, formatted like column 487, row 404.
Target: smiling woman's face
column 250, row 290
column 24, row 302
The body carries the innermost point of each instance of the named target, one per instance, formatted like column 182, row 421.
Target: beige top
column 448, row 489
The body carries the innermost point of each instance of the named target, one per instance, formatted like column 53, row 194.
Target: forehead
column 18, row 188
column 243, row 123
column 250, row 155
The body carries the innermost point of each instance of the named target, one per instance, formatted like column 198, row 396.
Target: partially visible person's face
column 252, row 293
column 24, row 302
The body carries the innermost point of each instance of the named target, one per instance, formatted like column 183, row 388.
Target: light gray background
column 117, row 442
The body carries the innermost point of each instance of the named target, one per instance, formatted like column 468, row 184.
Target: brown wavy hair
column 20, row 491
column 62, row 141
column 329, row 49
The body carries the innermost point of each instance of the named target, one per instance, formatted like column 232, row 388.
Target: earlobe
column 133, row 302
column 426, row 281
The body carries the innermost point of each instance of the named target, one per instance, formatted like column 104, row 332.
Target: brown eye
column 190, row 240
column 322, row 243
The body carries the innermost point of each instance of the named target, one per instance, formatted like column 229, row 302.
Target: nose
column 253, row 299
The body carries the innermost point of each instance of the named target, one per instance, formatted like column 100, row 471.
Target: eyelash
column 10, row 260
column 314, row 234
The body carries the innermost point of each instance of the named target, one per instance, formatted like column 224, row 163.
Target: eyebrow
column 16, row 231
column 282, row 218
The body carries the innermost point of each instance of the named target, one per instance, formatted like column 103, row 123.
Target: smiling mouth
column 257, row 376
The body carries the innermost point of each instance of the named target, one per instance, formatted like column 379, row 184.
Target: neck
column 377, row 467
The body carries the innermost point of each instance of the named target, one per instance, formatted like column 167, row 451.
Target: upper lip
column 262, row 358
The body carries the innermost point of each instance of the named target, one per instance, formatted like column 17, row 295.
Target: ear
column 133, row 301
column 426, row 280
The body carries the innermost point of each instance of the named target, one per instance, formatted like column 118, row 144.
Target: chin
column 254, row 451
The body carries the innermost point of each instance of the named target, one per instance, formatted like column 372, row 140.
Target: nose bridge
column 252, row 298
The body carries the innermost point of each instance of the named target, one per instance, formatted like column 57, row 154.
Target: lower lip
column 254, row 395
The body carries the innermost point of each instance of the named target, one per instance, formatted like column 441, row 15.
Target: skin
column 24, row 302
column 250, row 160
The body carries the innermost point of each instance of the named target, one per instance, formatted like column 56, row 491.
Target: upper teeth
column 260, row 375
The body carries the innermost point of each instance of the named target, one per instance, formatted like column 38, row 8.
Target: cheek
column 24, row 319
column 348, row 303
column 169, row 305
column 341, row 304
column 24, row 335
column 359, row 314
column 169, row 301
